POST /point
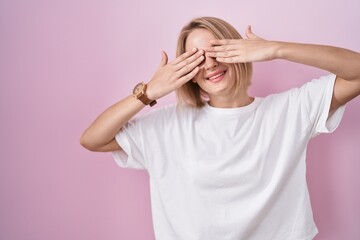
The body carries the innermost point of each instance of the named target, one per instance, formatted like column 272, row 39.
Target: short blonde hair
column 190, row 93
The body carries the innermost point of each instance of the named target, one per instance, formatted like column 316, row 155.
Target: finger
column 223, row 47
column 184, row 56
column 225, row 54
column 187, row 77
column 164, row 59
column 248, row 31
column 190, row 67
column 189, row 60
column 235, row 59
column 250, row 34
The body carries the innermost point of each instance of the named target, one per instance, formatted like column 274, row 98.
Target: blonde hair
column 191, row 93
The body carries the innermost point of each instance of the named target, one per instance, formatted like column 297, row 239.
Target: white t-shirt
column 231, row 173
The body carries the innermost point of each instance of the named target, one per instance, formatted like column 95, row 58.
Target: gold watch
column 139, row 92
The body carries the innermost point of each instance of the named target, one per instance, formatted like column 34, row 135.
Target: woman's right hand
column 170, row 76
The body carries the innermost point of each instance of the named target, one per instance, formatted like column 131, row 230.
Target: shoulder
column 309, row 89
column 320, row 84
column 168, row 113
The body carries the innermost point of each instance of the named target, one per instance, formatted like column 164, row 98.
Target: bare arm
column 344, row 63
column 100, row 135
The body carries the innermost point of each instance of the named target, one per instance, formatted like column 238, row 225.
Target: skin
column 220, row 93
column 100, row 135
column 345, row 64
column 206, row 55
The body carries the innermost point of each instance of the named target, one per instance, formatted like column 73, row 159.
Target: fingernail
column 194, row 49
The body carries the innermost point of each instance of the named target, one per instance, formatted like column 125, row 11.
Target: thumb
column 250, row 34
column 164, row 59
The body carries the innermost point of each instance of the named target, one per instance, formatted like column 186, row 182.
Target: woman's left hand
column 251, row 49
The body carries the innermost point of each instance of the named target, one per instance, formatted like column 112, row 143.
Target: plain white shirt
column 231, row 173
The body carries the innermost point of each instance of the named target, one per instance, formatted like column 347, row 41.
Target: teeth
column 218, row 75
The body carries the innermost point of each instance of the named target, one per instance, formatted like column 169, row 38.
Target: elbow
column 87, row 143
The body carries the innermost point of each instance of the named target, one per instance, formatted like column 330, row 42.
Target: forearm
column 342, row 62
column 107, row 124
column 99, row 136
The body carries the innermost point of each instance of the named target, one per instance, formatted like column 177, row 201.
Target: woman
column 223, row 164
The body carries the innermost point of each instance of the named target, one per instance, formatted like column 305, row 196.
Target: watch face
column 138, row 88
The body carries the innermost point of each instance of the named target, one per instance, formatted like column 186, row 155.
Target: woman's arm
column 100, row 135
column 344, row 63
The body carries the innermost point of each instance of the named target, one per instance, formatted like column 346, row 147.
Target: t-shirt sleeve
column 317, row 95
column 130, row 140
column 142, row 138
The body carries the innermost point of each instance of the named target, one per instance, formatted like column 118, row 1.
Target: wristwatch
column 139, row 92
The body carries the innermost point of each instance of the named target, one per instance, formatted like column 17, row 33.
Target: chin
column 218, row 90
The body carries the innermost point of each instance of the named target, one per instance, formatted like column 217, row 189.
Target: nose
column 210, row 63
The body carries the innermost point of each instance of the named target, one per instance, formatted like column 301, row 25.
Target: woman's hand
column 170, row 76
column 251, row 49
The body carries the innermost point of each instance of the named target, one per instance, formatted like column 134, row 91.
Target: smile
column 216, row 77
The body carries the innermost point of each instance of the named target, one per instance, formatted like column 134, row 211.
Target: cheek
column 230, row 72
column 198, row 76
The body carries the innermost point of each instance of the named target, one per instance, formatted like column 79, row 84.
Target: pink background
column 63, row 62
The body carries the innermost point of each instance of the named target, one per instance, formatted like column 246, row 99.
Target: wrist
column 279, row 49
column 140, row 92
column 149, row 91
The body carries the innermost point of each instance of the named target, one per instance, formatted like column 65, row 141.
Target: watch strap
column 144, row 99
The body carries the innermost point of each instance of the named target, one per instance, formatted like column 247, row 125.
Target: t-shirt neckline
column 231, row 111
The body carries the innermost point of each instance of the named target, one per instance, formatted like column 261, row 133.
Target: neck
column 229, row 102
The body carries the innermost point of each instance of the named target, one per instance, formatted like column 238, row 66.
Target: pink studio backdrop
column 63, row 62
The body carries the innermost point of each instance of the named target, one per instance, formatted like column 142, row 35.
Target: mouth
column 217, row 77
